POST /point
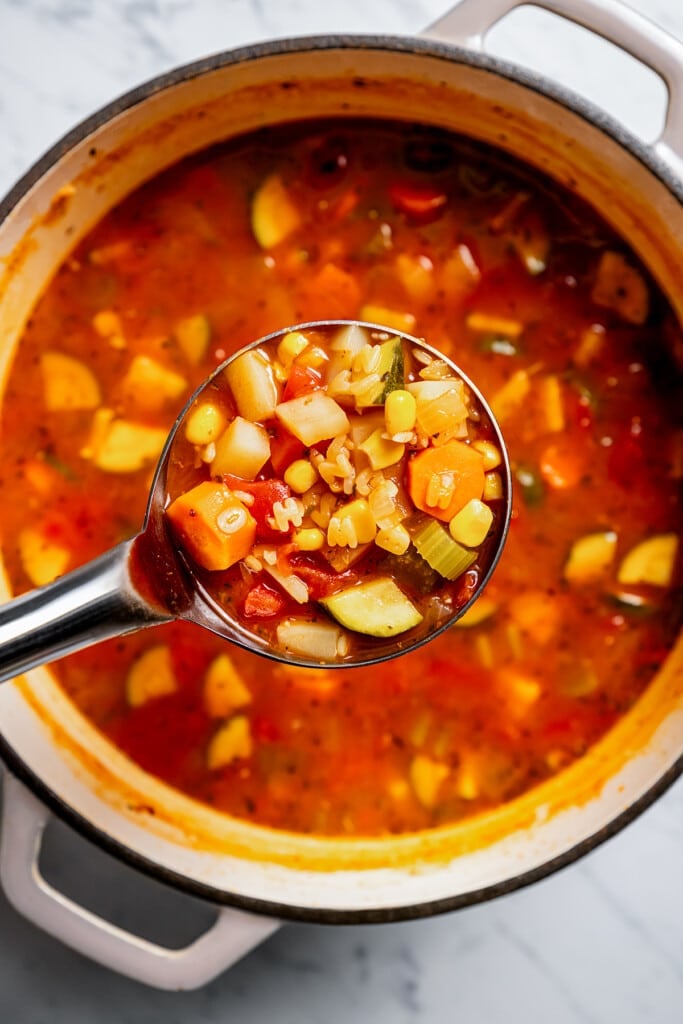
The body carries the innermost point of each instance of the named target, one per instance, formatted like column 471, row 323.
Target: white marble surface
column 601, row 942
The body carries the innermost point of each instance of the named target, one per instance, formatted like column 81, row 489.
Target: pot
column 58, row 763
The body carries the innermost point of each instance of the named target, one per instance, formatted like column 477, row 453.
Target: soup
column 546, row 310
column 336, row 487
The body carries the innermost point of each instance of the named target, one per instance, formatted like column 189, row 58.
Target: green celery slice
column 435, row 544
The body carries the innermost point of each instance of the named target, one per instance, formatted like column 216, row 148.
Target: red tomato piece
column 321, row 581
column 420, row 201
column 284, row 450
column 265, row 493
column 261, row 602
column 301, row 381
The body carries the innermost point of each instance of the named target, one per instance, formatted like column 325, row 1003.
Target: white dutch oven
column 57, row 763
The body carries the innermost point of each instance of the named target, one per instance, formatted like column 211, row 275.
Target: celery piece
column 530, row 484
column 441, row 552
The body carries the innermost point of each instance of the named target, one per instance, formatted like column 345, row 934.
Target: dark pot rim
column 420, row 47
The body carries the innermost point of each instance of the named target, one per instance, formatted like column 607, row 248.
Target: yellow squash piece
column 193, row 335
column 68, row 384
column 224, row 690
column 394, row 318
column 426, row 777
column 590, row 557
column 650, row 562
column 43, row 560
column 231, row 743
column 151, row 676
column 274, row 215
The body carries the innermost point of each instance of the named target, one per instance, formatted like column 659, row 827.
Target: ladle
column 146, row 581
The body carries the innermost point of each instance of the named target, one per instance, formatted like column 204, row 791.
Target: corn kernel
column 491, row 456
column 400, row 411
column 204, row 424
column 291, row 346
column 493, row 487
column 471, row 524
column 311, row 539
column 396, row 540
column 300, row 475
column 351, row 525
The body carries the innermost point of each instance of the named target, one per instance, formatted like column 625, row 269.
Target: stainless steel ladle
column 146, row 581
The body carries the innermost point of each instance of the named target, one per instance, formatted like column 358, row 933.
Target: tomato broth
column 548, row 312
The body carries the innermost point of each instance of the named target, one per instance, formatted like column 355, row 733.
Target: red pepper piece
column 265, row 493
column 284, row 450
column 422, row 202
column 261, row 602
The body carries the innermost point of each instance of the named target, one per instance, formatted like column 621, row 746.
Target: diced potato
column 591, row 557
column 650, row 562
column 490, row 323
column 232, row 742
column 43, row 560
column 312, row 418
column 150, row 385
column 243, row 449
column 346, row 344
column 68, row 384
column 416, row 274
column 193, row 335
column 519, row 690
column 511, row 397
column 320, row 641
column 224, row 690
column 253, row 385
column 621, row 287
column 552, row 406
column 213, row 525
column 127, row 447
column 274, row 216
column 459, row 273
column 426, row 778
column 398, row 320
column 381, row 451
column 535, row 616
column 151, row 675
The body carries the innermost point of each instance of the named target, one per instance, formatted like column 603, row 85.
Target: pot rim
column 586, row 110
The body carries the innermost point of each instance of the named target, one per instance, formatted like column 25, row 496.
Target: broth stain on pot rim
column 652, row 723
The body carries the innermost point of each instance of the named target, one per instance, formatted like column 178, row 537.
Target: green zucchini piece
column 650, row 562
column 435, row 544
column 375, row 608
column 391, row 370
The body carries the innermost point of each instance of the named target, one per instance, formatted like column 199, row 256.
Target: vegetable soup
column 337, row 486
column 525, row 288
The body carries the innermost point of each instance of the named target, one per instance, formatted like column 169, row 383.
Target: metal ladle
column 146, row 581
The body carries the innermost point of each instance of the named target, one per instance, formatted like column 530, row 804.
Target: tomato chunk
column 261, row 602
column 265, row 493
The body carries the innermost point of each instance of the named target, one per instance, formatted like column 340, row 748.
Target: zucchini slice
column 376, row 608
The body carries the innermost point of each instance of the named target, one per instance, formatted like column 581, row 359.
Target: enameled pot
column 58, row 763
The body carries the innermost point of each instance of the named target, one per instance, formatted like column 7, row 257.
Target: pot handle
column 469, row 22
column 233, row 934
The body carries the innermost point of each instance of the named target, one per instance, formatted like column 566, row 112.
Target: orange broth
column 552, row 317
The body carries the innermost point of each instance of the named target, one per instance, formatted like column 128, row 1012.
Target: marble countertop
column 602, row 941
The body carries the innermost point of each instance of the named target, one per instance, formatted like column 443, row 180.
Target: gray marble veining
column 599, row 943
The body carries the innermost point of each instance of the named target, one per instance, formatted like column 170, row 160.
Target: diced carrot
column 214, row 527
column 331, row 293
column 561, row 465
column 454, row 468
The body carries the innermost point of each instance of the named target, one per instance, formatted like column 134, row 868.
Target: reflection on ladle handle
column 93, row 603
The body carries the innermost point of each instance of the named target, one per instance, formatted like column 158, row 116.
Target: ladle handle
column 93, row 603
